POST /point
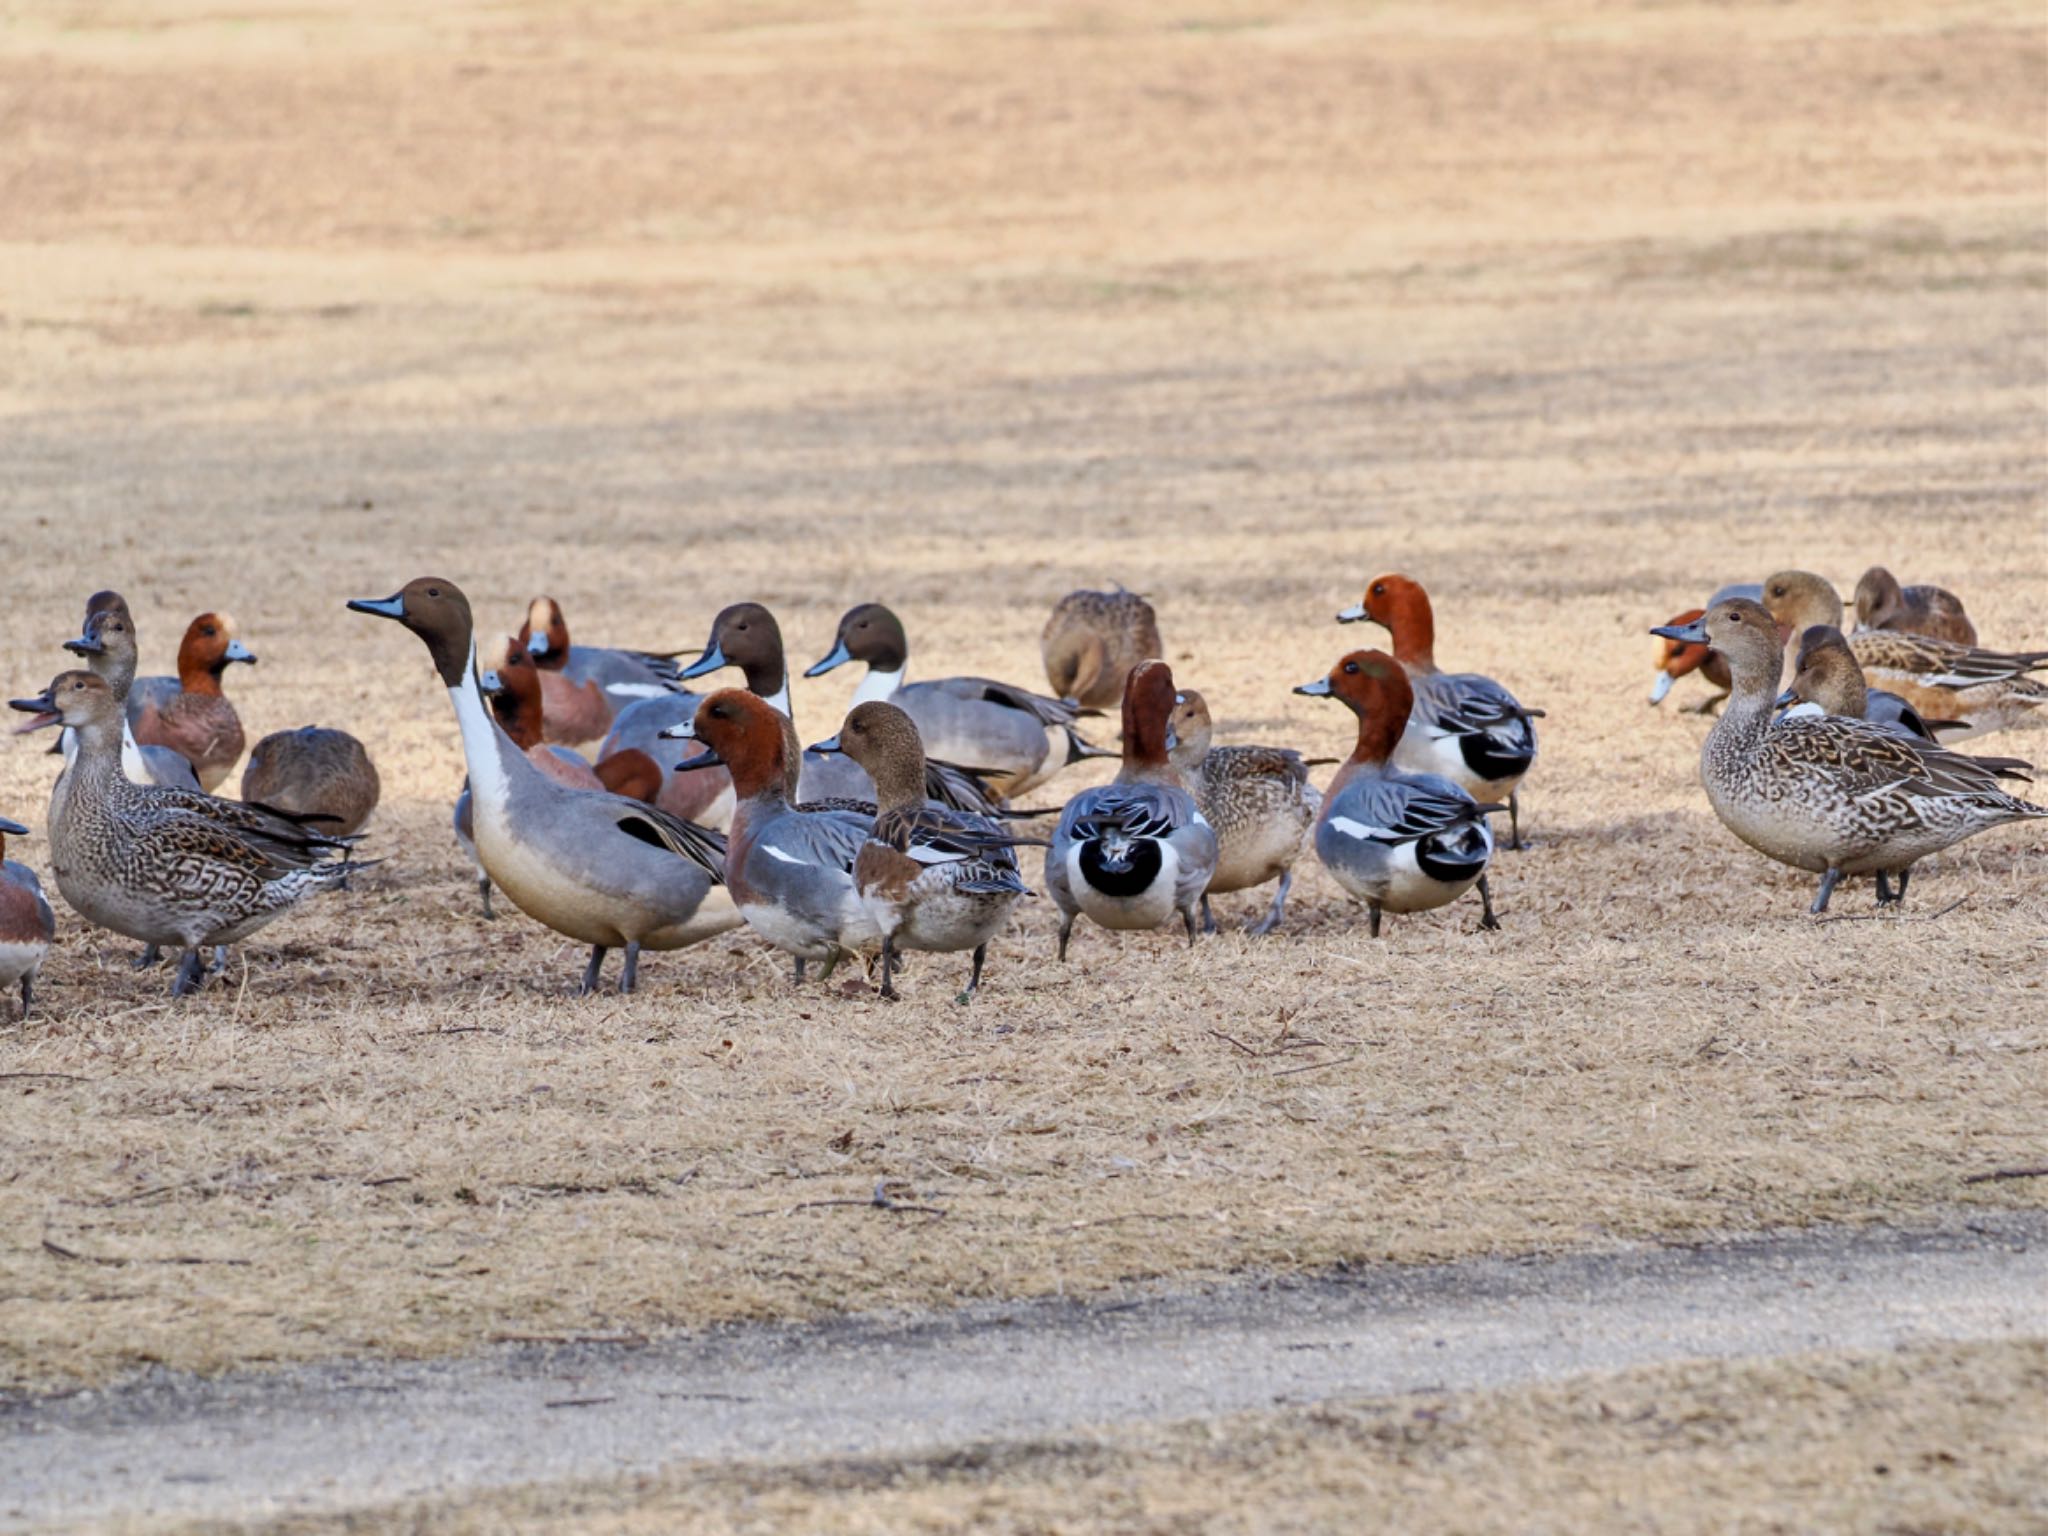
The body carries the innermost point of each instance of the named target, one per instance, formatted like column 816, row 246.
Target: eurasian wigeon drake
column 1257, row 800
column 1675, row 661
column 587, row 685
column 512, row 686
column 27, row 925
column 790, row 870
column 1467, row 728
column 170, row 867
column 1136, row 851
column 1018, row 737
column 746, row 636
column 108, row 645
column 601, row 870
column 931, row 878
column 317, row 774
column 1092, row 641
column 1985, row 690
column 1825, row 793
column 195, row 719
column 1398, row 841
column 1881, row 603
column 705, row 796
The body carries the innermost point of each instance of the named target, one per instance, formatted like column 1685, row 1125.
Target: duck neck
column 519, row 718
column 899, row 782
column 1752, row 701
column 878, row 686
column 1412, row 630
column 487, row 752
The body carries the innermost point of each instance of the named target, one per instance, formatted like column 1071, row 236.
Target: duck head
column 1399, row 606
column 1798, row 600
column 545, row 634
column 1827, row 674
column 1675, row 658
column 107, row 642
column 745, row 636
column 869, row 633
column 209, row 647
column 1877, row 594
column 742, row 730
column 1374, row 687
column 9, row 829
column 1742, row 631
column 1148, row 715
column 632, row 773
column 884, row 741
column 1188, row 730
column 512, row 684
column 76, row 699
column 436, row 611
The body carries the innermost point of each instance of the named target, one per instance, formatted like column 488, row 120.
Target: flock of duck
column 897, row 833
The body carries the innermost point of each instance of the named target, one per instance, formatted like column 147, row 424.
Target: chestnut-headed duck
column 27, row 925
column 746, row 636
column 1825, row 793
column 195, row 719
column 1465, row 727
column 705, row 796
column 108, row 645
column 315, row 773
column 790, row 870
column 1092, row 641
column 932, row 878
column 1881, row 603
column 601, row 870
column 587, row 685
column 1258, row 801
column 1136, row 851
column 170, row 867
column 1398, row 841
column 1985, row 690
column 512, row 685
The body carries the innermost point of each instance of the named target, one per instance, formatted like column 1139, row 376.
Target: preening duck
column 1257, row 800
column 1092, row 641
column 316, row 773
column 1881, row 603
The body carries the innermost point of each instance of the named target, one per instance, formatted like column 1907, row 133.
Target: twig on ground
column 628, row 1340
column 1997, row 1174
column 578, row 1402
column 879, row 1201
column 1110, row 1221
column 1887, row 917
column 58, row 1250
column 1233, row 1040
column 1317, row 1066
column 58, row 1077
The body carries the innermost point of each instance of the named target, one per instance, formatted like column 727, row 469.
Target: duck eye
column 1379, row 589
column 1351, row 667
column 433, row 591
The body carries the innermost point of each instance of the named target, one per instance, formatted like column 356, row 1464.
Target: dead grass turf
column 1573, row 312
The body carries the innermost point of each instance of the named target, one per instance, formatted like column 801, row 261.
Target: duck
column 194, row 718
column 1984, row 690
column 587, row 685
column 594, row 867
column 465, row 835
column 790, row 869
column 1258, row 800
column 513, row 688
column 27, row 925
column 108, row 646
column 1675, row 661
column 1092, row 641
column 1464, row 727
column 1827, row 794
column 1017, row 737
column 1881, row 603
column 1397, row 840
column 746, row 635
column 315, row 773
column 1134, row 852
column 704, row 797
column 170, row 867
column 930, row 877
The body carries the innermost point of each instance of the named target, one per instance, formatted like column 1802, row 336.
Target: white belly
column 1149, row 908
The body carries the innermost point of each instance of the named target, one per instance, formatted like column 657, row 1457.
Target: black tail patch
column 1131, row 876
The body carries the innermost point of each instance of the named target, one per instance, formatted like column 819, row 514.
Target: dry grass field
column 1574, row 311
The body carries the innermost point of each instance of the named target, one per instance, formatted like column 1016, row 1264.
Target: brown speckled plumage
column 1258, row 800
column 1092, row 641
column 1881, row 603
column 314, row 771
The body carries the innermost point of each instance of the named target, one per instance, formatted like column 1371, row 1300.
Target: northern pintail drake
column 317, row 774
column 194, row 718
column 1881, row 603
column 108, row 645
column 587, row 685
column 1134, row 852
column 705, row 796
column 170, row 867
column 1019, row 737
column 594, row 867
column 1398, row 841
column 27, row 925
column 746, row 636
column 1464, row 727
column 1827, row 794
column 1257, row 800
column 1675, row 661
column 1985, row 690
column 932, row 878
column 1092, row 641
column 790, row 870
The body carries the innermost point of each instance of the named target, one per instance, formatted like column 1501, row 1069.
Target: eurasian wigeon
column 195, row 719
column 27, row 925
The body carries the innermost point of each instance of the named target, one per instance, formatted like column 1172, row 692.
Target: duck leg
column 973, row 976
column 1208, row 917
column 191, row 973
column 152, row 954
column 831, row 965
column 28, row 994
column 630, row 976
column 483, row 889
column 1066, row 927
column 799, row 970
column 1271, row 920
column 1515, row 820
column 1904, row 875
column 1486, row 917
column 888, row 967
column 1828, row 882
column 1187, row 916
column 1373, row 918
column 591, row 971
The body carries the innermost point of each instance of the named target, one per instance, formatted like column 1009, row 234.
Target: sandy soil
column 1572, row 311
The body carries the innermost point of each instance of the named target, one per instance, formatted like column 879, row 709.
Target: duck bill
column 1694, row 633
column 1661, row 687
column 705, row 759
column 1786, row 699
column 392, row 607
column 489, row 684
column 712, row 659
column 86, row 645
column 12, row 828
column 682, row 730
column 239, row 652
column 828, row 746
column 537, row 644
column 838, row 657
column 1355, row 614
column 42, row 709
column 1319, row 689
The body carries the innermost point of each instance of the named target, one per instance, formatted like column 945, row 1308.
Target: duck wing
column 650, row 824
column 1403, row 810
column 1939, row 663
column 1865, row 760
column 1044, row 710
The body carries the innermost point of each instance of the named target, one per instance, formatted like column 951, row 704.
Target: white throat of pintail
column 878, row 686
column 779, row 699
column 483, row 743
column 132, row 763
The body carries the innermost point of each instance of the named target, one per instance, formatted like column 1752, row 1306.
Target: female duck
column 1019, row 737
column 601, row 870
column 1831, row 795
column 27, row 924
column 107, row 644
column 168, row 866
column 1398, row 841
column 195, row 719
column 930, row 877
column 1464, row 727
column 1092, row 641
column 1881, row 603
column 1675, row 661
column 1258, row 800
column 1136, row 851
column 320, row 774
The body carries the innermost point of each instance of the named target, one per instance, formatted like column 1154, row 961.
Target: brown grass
column 1573, row 312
